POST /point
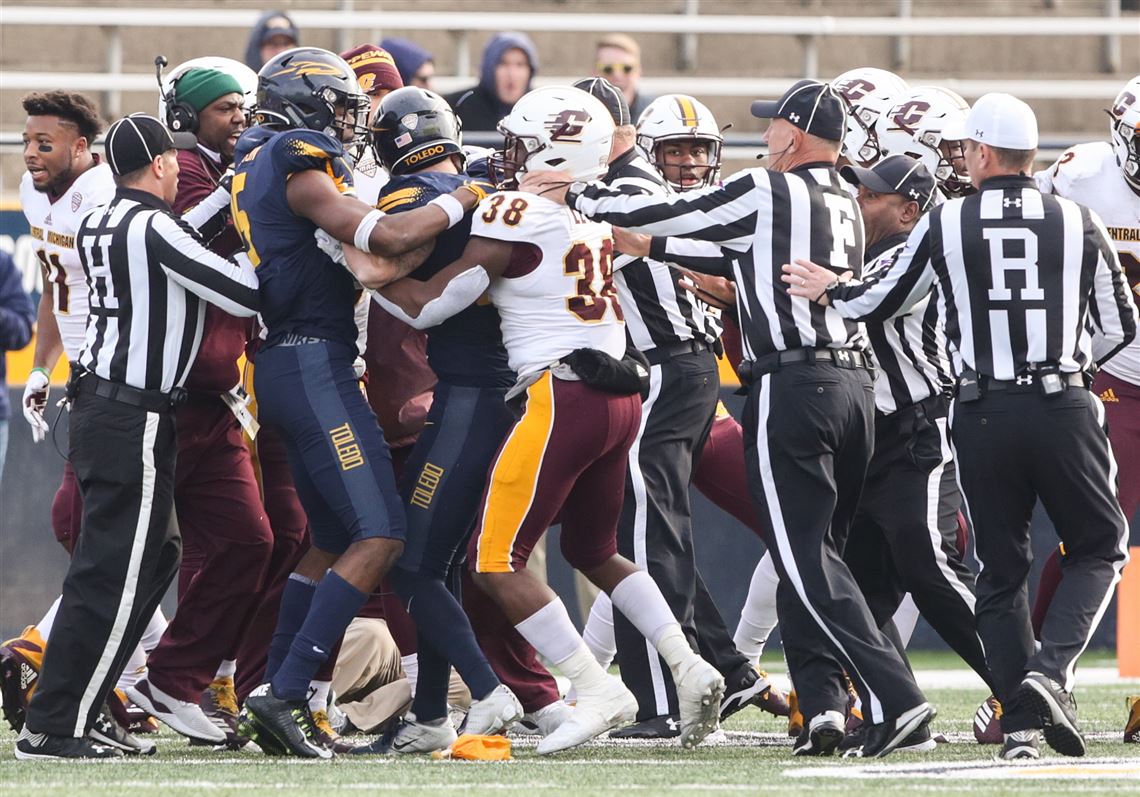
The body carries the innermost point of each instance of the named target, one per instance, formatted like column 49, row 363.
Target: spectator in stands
column 618, row 60
column 416, row 65
column 509, row 63
column 17, row 316
column 273, row 33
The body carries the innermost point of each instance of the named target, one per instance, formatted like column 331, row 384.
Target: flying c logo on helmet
column 855, row 89
column 908, row 115
column 1127, row 100
column 568, row 125
column 307, row 68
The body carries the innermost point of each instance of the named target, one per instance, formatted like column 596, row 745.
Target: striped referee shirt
column 658, row 311
column 910, row 349
column 1019, row 278
column 766, row 219
column 149, row 278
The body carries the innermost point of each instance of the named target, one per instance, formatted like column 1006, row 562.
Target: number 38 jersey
column 1089, row 175
column 562, row 300
column 53, row 224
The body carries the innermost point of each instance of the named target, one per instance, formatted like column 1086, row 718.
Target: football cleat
column 497, row 712
column 885, row 737
column 107, row 732
column 546, row 720
column 219, row 703
column 44, row 746
column 822, row 736
column 1056, row 710
column 180, row 715
column 595, row 713
column 745, row 687
column 1132, row 727
column 253, row 730
column 1020, row 745
column 327, row 736
column 129, row 715
column 987, row 722
column 664, row 727
column 773, row 701
column 795, row 717
column 700, row 689
column 287, row 721
column 20, row 661
column 411, row 736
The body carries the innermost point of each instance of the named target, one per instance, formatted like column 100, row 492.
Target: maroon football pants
column 720, row 473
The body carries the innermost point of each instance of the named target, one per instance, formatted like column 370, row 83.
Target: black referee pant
column 1015, row 447
column 656, row 531
column 905, row 534
column 127, row 556
column 808, row 438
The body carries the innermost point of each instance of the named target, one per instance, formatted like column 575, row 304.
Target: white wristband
column 451, row 206
column 364, row 229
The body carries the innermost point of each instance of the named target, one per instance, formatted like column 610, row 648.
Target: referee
column 1032, row 295
column 808, row 420
column 150, row 279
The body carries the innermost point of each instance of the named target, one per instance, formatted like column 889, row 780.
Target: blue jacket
column 409, row 57
column 17, row 316
column 480, row 108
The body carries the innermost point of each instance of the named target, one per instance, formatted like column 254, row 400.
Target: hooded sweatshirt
column 257, row 34
column 480, row 108
column 409, row 57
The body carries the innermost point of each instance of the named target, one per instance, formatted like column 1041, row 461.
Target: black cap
column 811, row 106
column 895, row 174
column 610, row 96
column 136, row 140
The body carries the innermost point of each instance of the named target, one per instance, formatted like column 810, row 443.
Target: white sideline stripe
column 131, row 581
column 1055, row 769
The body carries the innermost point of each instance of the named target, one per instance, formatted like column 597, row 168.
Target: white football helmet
column 914, row 125
column 673, row 117
column 245, row 77
column 554, row 128
column 869, row 93
column 1125, row 129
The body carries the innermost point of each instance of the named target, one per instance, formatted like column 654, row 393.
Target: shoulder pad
column 514, row 216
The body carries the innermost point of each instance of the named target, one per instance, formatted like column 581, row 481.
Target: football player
column 682, row 139
column 869, row 93
column 913, row 126
column 550, row 275
column 293, row 179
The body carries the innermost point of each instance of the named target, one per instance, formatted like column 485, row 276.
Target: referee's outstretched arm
column 216, row 279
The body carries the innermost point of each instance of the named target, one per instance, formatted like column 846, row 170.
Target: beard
column 58, row 182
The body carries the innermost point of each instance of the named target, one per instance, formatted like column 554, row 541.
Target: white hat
column 1000, row 120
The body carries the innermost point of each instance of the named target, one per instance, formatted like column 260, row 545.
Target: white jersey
column 1089, row 175
column 53, row 226
column 368, row 177
column 566, row 300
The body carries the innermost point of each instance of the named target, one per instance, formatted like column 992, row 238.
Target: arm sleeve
column 1112, row 312
column 17, row 313
column 726, row 214
column 460, row 291
column 703, row 256
column 896, row 288
column 211, row 216
column 218, row 280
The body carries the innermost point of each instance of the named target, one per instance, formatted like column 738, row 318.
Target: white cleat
column 496, row 712
column 700, row 689
column 546, row 720
column 595, row 713
column 185, row 717
column 421, row 737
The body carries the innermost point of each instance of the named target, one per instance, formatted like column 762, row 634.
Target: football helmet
column 245, row 77
column 414, row 128
column 1125, row 129
column 868, row 92
column 674, row 117
column 914, row 125
column 554, row 128
column 311, row 88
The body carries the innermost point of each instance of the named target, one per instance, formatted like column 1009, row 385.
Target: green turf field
column 754, row 757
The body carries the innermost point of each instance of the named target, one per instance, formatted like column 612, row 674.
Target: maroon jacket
column 215, row 368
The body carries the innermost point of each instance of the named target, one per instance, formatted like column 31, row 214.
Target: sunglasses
column 610, row 69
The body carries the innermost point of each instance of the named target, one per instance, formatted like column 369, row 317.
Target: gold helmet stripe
column 688, row 112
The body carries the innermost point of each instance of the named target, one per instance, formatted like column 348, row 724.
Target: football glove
column 35, row 402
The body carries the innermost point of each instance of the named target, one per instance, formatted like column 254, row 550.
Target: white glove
column 35, row 401
column 359, row 367
column 330, row 246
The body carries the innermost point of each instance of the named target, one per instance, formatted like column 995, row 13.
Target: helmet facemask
column 1125, row 130
column 674, row 173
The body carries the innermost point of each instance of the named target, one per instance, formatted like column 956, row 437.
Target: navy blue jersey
column 303, row 291
column 466, row 349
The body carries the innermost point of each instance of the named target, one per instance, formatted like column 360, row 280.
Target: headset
column 180, row 117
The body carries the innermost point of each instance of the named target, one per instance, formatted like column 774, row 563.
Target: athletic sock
column 598, row 633
column 296, row 598
column 227, row 669
column 154, row 630
column 411, row 665
column 758, row 616
column 550, row 632
column 44, row 625
column 434, row 678
column 335, row 602
column 638, row 597
column 319, row 695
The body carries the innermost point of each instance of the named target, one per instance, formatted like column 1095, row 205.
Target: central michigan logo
column 567, row 125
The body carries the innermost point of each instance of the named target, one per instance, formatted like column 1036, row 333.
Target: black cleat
column 288, row 721
column 822, row 736
column 665, row 727
column 1056, row 710
column 884, row 737
column 107, row 732
column 44, row 746
column 253, row 730
column 1020, row 745
column 745, row 687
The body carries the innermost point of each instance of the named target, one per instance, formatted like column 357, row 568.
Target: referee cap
column 136, row 140
column 810, row 105
column 999, row 120
column 610, row 96
column 895, row 174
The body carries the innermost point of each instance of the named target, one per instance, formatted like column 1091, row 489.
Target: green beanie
column 200, row 87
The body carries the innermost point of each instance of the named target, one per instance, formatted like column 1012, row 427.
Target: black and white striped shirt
column 766, row 219
column 910, row 349
column 658, row 311
column 149, row 277
column 1020, row 278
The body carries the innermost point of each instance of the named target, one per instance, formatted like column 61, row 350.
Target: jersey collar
column 1008, row 181
column 884, row 245
column 143, row 198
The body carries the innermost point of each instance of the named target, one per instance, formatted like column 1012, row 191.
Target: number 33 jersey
column 1089, row 175
column 562, row 297
column 53, row 224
